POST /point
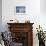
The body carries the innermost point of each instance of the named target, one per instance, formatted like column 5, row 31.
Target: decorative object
column 41, row 36
column 7, row 38
column 27, row 21
column 20, row 9
column 13, row 21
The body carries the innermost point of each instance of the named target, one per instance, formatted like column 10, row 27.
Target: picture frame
column 20, row 9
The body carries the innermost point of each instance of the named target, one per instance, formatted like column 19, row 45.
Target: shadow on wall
column 0, row 15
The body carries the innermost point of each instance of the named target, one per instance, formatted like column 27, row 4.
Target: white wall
column 32, row 13
column 0, row 15
column 43, row 14
column 43, row 6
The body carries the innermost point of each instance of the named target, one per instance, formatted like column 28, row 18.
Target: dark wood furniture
column 22, row 33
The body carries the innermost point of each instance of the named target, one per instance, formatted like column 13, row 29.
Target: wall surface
column 43, row 6
column 0, row 15
column 43, row 14
column 33, row 13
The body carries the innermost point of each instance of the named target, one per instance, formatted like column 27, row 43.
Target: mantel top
column 19, row 23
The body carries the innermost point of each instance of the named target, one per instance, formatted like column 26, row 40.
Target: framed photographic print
column 20, row 9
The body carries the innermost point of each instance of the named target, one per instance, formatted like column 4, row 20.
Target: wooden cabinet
column 22, row 33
